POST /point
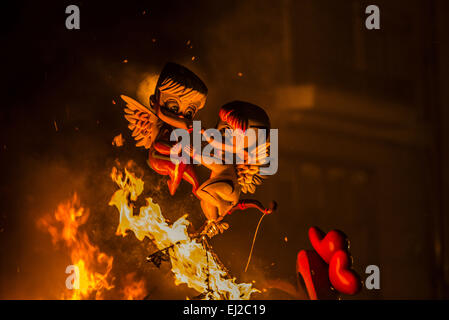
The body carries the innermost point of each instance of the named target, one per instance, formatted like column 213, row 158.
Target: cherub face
column 183, row 105
column 176, row 104
column 249, row 137
column 252, row 124
column 223, row 125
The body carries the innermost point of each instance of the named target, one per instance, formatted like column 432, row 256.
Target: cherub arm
column 223, row 146
column 209, row 162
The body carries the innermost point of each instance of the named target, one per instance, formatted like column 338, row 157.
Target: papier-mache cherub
column 235, row 168
column 178, row 96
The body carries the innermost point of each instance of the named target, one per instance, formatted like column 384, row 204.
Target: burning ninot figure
column 220, row 194
column 178, row 96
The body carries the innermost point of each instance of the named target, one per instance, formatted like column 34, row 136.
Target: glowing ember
column 191, row 263
column 118, row 140
column 64, row 227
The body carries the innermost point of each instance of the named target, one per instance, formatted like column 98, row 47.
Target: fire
column 65, row 227
column 192, row 264
column 133, row 289
column 118, row 140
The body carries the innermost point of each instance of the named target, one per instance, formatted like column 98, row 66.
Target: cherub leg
column 175, row 177
column 214, row 206
column 166, row 167
column 209, row 210
column 189, row 175
column 213, row 225
column 220, row 192
column 230, row 197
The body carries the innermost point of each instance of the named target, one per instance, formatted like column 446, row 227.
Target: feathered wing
column 248, row 174
column 143, row 123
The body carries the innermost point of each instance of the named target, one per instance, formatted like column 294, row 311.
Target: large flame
column 94, row 266
column 192, row 263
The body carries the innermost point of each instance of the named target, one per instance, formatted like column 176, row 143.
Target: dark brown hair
column 183, row 76
column 239, row 113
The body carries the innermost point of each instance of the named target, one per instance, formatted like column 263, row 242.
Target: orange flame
column 118, row 140
column 133, row 290
column 64, row 227
column 191, row 263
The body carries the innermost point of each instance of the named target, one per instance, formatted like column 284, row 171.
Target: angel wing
column 259, row 154
column 143, row 122
column 248, row 174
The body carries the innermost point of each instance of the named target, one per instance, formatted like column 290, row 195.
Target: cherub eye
column 172, row 106
column 223, row 129
column 189, row 114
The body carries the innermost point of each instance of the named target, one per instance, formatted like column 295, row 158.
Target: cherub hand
column 205, row 134
column 213, row 228
column 176, row 149
column 209, row 137
column 189, row 150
